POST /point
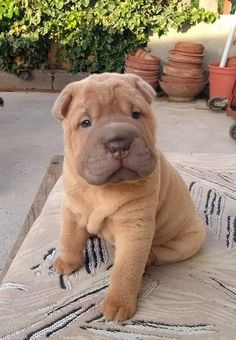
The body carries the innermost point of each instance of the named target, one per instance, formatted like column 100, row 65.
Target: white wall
column 212, row 36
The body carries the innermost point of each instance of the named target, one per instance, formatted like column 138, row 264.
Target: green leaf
column 85, row 2
column 59, row 4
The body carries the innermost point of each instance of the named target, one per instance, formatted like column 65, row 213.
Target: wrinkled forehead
column 109, row 96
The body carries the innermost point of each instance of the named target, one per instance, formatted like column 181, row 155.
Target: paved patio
column 30, row 137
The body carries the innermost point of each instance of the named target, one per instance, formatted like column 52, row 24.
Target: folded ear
column 146, row 90
column 62, row 104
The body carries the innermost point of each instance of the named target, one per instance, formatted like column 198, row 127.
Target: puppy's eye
column 86, row 123
column 136, row 114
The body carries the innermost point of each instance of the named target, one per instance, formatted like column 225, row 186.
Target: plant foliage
column 93, row 36
column 195, row 3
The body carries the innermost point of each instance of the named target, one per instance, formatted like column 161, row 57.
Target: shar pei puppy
column 119, row 186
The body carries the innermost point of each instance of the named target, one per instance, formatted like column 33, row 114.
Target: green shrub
column 94, row 36
column 220, row 5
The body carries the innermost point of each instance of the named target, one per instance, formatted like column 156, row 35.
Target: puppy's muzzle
column 118, row 140
column 115, row 152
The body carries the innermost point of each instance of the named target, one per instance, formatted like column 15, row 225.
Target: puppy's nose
column 119, row 148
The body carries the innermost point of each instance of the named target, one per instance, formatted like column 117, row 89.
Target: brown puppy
column 120, row 187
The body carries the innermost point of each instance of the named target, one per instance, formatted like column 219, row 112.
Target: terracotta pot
column 147, row 77
column 155, row 78
column 151, row 82
column 231, row 62
column 154, row 61
column 186, row 58
column 151, row 78
column 142, row 73
column 181, row 92
column 189, row 47
column 186, row 53
column 181, row 72
column 221, row 80
column 184, row 65
column 140, row 53
column 180, row 80
column 140, row 66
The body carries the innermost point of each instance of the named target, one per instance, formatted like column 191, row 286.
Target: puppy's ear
column 144, row 88
column 147, row 90
column 62, row 104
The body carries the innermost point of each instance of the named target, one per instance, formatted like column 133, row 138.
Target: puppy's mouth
column 123, row 174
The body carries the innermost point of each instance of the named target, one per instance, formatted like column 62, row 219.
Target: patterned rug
column 195, row 299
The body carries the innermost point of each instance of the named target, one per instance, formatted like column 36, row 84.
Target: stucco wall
column 212, row 36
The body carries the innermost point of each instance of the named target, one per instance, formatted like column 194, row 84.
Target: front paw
column 61, row 266
column 118, row 309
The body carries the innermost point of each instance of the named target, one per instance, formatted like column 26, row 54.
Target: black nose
column 119, row 148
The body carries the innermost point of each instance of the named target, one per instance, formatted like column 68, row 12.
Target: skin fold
column 119, row 186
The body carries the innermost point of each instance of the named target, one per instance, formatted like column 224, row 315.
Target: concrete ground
column 30, row 137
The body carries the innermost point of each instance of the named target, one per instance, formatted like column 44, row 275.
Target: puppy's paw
column 118, row 309
column 61, row 266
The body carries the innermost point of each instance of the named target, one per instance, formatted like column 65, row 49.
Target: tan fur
column 151, row 220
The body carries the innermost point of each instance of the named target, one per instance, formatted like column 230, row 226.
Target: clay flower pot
column 182, row 64
column 184, row 73
column 187, row 53
column 153, row 83
column 141, row 66
column 144, row 65
column 146, row 61
column 152, row 78
column 184, row 76
column 146, row 77
column 221, row 80
column 231, row 62
column 180, row 80
column 143, row 55
column 189, row 47
column 186, row 58
column 141, row 73
column 181, row 92
column 156, row 78
column 140, row 53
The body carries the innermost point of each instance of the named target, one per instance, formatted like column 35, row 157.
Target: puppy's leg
column 132, row 250
column 73, row 239
column 180, row 248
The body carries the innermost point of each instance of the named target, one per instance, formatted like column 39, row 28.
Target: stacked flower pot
column 184, row 77
column 144, row 65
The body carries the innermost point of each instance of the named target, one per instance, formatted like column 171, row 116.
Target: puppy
column 119, row 186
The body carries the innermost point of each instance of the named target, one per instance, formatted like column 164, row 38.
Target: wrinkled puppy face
column 109, row 128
